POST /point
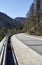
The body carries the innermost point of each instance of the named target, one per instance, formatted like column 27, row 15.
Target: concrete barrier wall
column 14, row 56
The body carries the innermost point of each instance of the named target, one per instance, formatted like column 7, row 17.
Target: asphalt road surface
column 34, row 44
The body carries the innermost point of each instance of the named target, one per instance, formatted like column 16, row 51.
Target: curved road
column 33, row 42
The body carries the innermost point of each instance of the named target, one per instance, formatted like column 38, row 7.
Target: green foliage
column 1, row 36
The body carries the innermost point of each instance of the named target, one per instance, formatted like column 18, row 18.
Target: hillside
column 8, row 24
column 20, row 19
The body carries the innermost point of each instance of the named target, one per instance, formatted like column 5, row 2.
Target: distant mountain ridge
column 8, row 22
column 20, row 19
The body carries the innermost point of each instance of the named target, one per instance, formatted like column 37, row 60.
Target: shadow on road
column 9, row 55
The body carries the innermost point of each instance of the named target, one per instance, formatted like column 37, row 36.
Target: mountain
column 9, row 23
column 20, row 19
column 6, row 21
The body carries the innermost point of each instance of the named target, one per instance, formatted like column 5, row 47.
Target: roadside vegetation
column 1, row 35
column 4, row 32
column 33, row 24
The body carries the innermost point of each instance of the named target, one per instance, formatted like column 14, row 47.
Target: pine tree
column 38, row 11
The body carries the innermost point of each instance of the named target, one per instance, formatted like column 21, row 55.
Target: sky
column 15, row 8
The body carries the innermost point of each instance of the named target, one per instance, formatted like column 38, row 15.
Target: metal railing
column 3, row 52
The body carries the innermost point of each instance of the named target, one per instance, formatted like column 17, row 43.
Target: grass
column 1, row 36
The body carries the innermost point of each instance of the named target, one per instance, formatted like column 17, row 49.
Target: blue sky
column 15, row 8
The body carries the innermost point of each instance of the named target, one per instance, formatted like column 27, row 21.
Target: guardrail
column 3, row 51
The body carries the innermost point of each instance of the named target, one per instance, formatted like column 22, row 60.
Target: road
column 15, row 50
column 33, row 42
